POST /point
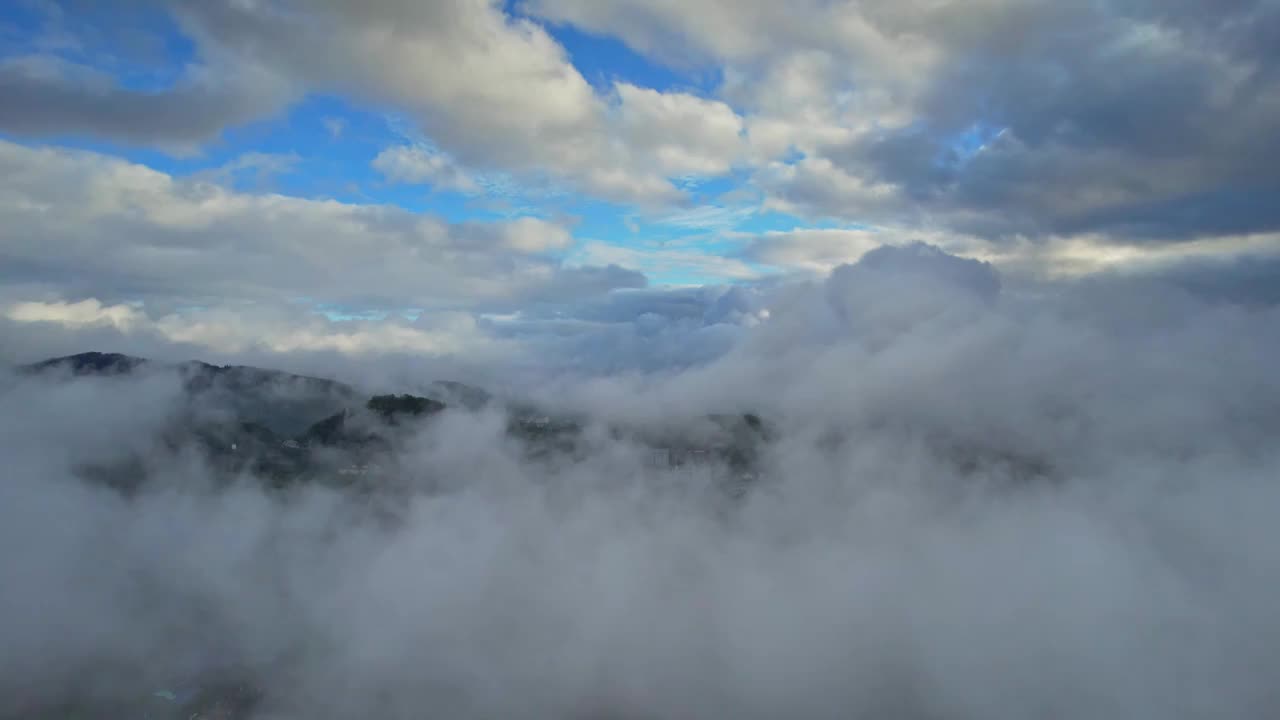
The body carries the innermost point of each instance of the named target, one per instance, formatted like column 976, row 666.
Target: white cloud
column 812, row 250
column 260, row 328
column 85, row 313
column 815, row 186
column 531, row 235
column 416, row 164
column 680, row 133
column 820, row 250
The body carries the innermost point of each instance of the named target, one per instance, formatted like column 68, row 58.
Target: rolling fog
column 1045, row 501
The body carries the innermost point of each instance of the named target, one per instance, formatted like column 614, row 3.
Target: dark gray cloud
column 1246, row 279
column 46, row 96
column 1131, row 119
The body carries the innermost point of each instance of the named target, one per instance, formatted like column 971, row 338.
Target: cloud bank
column 978, row 501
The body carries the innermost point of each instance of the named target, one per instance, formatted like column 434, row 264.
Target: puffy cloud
column 815, row 186
column 922, row 263
column 680, row 134
column 86, row 313
column 409, row 164
column 527, row 235
column 812, row 249
column 820, row 250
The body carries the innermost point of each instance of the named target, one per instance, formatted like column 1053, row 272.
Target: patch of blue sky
column 141, row 48
column 706, row 189
column 333, row 142
column 599, row 220
column 340, row 314
column 775, row 221
column 960, row 147
column 21, row 24
column 603, row 60
column 696, row 219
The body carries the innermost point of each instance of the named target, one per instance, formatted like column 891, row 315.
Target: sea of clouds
column 1050, row 501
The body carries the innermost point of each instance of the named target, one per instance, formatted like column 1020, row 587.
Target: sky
column 1001, row 277
column 196, row 168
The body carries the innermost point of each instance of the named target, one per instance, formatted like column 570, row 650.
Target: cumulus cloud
column 86, row 313
column 813, row 250
column 976, row 503
column 680, row 134
column 411, row 164
column 1004, row 118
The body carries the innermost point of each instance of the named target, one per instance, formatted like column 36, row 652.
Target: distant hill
column 198, row 374
column 88, row 363
column 286, row 428
column 283, row 402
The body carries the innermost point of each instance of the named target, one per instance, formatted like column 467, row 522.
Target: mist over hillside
column 908, row 491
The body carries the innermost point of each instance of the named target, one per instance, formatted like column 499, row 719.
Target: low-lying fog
column 1057, row 502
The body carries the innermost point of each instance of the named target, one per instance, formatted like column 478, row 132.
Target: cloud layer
column 978, row 503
